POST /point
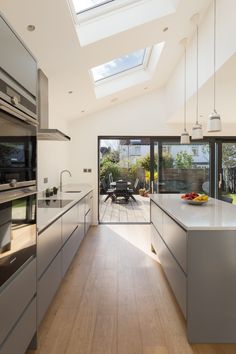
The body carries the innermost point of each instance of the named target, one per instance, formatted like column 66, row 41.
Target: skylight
column 85, row 5
column 118, row 65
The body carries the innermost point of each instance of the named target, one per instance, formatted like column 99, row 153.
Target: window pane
column 118, row 65
column 84, row 5
column 184, row 168
column 229, row 172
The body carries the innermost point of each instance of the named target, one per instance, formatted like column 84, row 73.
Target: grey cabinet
column 170, row 242
column 69, row 250
column 49, row 244
column 47, row 286
column 20, row 337
column 16, row 60
column 16, row 296
column 69, row 223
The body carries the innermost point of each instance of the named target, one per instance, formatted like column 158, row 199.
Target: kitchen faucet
column 61, row 177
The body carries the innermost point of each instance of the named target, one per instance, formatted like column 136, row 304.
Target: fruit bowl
column 195, row 198
column 195, row 202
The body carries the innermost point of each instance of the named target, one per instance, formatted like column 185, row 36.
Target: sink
column 71, row 191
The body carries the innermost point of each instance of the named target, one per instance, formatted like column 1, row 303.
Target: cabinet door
column 69, row 223
column 49, row 244
column 157, row 217
column 15, row 297
column 69, row 250
column 176, row 239
column 174, row 273
column 48, row 285
column 19, row 339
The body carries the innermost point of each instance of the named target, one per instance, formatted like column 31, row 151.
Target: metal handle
column 220, row 180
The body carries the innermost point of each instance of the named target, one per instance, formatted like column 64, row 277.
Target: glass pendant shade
column 214, row 122
column 185, row 138
column 197, row 132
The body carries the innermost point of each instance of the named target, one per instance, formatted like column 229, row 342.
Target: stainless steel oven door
column 17, row 234
column 17, row 152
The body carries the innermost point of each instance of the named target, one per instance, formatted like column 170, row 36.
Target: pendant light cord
column 214, row 77
column 185, row 84
column 197, row 79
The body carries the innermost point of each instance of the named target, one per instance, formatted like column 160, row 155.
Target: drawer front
column 47, row 286
column 69, row 250
column 174, row 274
column 157, row 217
column 176, row 239
column 88, row 221
column 49, row 243
column 69, row 222
column 15, row 297
column 20, row 338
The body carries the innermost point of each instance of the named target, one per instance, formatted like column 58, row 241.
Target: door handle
column 220, row 180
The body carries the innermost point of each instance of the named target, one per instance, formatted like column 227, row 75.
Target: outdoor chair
column 131, row 191
column 121, row 190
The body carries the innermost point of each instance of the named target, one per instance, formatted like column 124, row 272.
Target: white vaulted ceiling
column 56, row 45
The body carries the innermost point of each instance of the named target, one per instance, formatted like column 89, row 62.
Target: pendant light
column 184, row 138
column 214, row 120
column 197, row 132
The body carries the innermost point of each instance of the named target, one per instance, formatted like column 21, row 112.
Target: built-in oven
column 17, row 153
column 17, row 231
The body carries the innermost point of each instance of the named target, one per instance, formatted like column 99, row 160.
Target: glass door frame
column 219, row 141
column 175, row 139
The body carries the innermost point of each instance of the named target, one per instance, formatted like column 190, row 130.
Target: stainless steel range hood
column 44, row 132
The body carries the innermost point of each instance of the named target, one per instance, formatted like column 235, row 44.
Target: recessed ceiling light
column 31, row 28
column 70, row 92
column 114, row 99
column 145, row 88
column 82, row 111
column 165, row 29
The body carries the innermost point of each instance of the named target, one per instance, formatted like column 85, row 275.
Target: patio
column 131, row 212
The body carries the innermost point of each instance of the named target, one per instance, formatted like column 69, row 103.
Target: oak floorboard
column 115, row 299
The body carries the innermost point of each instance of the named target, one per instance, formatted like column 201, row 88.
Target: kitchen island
column 196, row 245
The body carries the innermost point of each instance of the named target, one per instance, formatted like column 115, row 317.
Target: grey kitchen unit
column 57, row 246
column 196, row 246
column 18, row 318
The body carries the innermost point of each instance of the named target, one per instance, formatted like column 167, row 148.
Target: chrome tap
column 61, row 177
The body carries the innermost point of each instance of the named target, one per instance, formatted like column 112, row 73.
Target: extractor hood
column 44, row 132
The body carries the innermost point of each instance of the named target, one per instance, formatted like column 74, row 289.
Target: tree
column 183, row 160
column 167, row 160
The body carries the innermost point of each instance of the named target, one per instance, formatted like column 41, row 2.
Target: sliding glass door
column 181, row 168
column 226, row 174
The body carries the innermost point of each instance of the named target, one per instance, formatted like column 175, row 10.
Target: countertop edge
column 59, row 212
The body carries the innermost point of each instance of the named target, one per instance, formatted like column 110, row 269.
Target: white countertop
column 214, row 215
column 46, row 216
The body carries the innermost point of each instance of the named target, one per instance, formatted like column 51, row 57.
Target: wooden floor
column 115, row 300
column 131, row 212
